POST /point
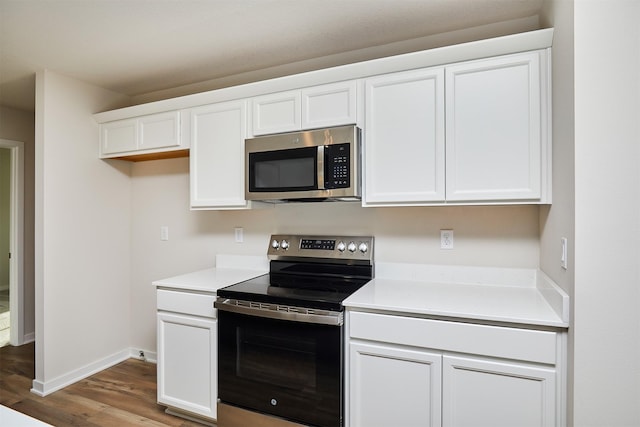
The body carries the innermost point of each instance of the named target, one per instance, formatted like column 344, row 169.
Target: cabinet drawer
column 497, row 341
column 186, row 302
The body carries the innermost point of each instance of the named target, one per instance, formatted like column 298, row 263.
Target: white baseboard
column 30, row 337
column 42, row 389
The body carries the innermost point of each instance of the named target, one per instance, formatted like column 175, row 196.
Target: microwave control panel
column 337, row 166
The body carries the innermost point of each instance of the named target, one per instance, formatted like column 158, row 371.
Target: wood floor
column 123, row 395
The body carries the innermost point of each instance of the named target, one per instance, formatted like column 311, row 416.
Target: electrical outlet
column 446, row 239
column 164, row 233
column 239, row 234
column 563, row 252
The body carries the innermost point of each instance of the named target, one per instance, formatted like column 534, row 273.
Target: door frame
column 16, row 240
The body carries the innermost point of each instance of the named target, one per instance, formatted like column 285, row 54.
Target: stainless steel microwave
column 314, row 165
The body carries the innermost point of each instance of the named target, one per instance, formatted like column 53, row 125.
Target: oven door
column 284, row 368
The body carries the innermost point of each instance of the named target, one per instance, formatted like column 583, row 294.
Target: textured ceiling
column 140, row 46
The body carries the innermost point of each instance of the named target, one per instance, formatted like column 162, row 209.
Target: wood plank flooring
column 123, row 395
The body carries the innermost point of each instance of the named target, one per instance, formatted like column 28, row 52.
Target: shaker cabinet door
column 187, row 363
column 276, row 113
column 218, row 132
column 159, row 130
column 393, row 386
column 404, row 138
column 481, row 392
column 118, row 137
column 329, row 105
column 494, row 129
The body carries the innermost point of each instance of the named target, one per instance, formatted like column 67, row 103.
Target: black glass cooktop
column 320, row 286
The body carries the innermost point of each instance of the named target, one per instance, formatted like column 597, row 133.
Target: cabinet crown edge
column 502, row 45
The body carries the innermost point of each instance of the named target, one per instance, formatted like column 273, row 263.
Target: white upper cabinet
column 142, row 136
column 404, row 138
column 496, row 141
column 329, row 105
column 118, row 137
column 218, row 132
column 484, row 122
column 277, row 112
column 310, row 108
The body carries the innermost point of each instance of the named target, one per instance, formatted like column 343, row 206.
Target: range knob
column 363, row 247
column 275, row 244
column 351, row 247
column 341, row 246
column 284, row 245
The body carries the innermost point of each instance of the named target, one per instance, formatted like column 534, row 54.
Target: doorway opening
column 11, row 242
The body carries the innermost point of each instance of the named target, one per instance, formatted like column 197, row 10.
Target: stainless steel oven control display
column 356, row 249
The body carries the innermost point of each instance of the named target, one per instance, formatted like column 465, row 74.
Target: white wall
column 82, row 239
column 607, row 213
column 505, row 236
column 18, row 125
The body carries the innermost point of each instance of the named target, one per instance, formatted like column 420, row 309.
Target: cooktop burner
column 311, row 272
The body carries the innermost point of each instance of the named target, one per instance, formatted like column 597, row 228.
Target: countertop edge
column 531, row 285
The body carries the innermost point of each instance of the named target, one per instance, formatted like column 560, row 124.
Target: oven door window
column 287, row 369
column 284, row 170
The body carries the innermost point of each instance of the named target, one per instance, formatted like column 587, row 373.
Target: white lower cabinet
column 187, row 354
column 414, row 372
column 480, row 392
column 394, row 386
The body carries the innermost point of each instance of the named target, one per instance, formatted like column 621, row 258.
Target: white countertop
column 11, row 418
column 229, row 269
column 520, row 296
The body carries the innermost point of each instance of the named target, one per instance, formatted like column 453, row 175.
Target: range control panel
column 355, row 248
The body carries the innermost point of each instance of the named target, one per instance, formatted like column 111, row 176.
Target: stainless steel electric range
column 281, row 335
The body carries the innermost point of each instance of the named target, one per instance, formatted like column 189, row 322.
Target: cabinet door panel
column 494, row 129
column 217, row 155
column 275, row 113
column 187, row 363
column 404, row 138
column 120, row 136
column 329, row 105
column 393, row 386
column 159, row 130
column 486, row 393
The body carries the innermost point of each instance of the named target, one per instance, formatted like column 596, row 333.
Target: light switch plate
column 563, row 253
column 239, row 234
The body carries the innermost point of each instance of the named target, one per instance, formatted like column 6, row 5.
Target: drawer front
column 496, row 341
column 187, row 303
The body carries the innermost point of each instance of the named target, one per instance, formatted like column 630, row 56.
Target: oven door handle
column 282, row 312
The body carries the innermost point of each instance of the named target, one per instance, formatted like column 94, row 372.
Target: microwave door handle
column 320, row 162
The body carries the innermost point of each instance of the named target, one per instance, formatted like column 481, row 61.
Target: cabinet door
column 217, row 156
column 393, row 386
column 404, row 138
column 277, row 112
column 329, row 105
column 119, row 136
column 159, row 130
column 187, row 363
column 486, row 393
column 494, row 138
